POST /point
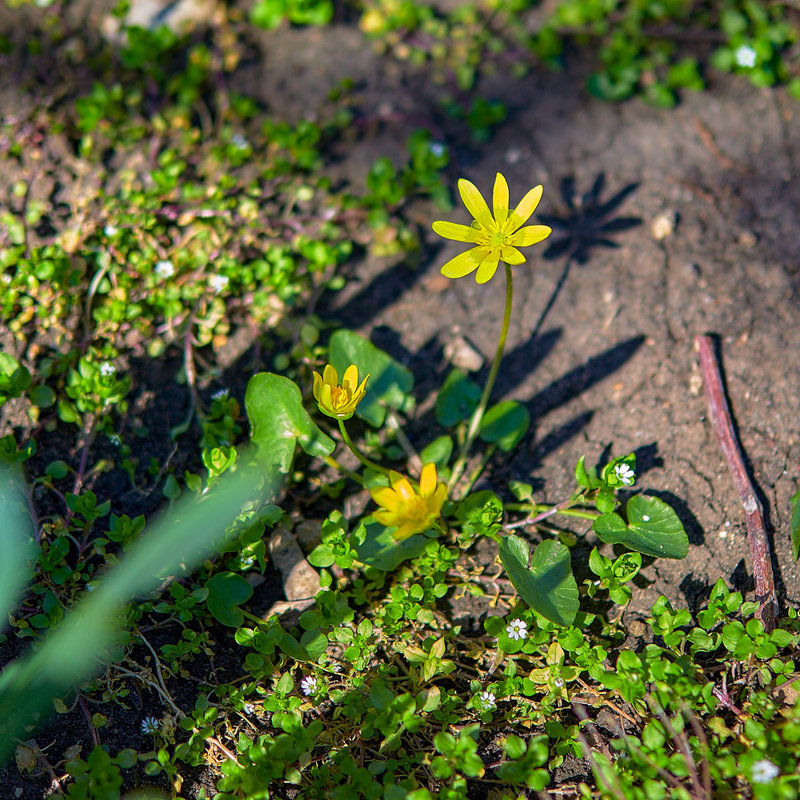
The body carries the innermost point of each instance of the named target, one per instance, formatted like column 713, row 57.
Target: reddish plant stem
column 88, row 715
column 726, row 437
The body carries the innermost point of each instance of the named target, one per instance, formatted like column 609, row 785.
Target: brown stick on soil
column 726, row 436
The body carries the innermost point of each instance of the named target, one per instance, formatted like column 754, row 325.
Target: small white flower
column 218, row 282
column 237, row 140
column 165, row 269
column 558, row 683
column 308, row 685
column 437, row 149
column 150, row 725
column 518, row 629
column 764, row 771
column 745, row 56
column 625, row 474
column 6, row 277
column 107, row 369
column 248, row 708
column 110, row 230
column 487, row 699
column 220, row 394
column 115, row 439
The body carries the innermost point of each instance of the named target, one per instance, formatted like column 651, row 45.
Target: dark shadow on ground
column 582, row 378
column 585, row 221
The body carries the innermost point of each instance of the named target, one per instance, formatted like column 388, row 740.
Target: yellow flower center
column 497, row 238
column 340, row 396
column 418, row 512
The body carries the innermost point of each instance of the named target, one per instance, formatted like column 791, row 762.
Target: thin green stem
column 367, row 462
column 354, row 476
column 475, row 422
column 542, row 511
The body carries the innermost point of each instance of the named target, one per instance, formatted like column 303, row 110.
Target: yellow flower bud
column 335, row 399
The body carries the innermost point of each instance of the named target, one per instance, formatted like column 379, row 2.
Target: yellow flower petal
column 512, row 256
column 438, row 498
column 404, row 489
column 385, row 497
column 488, row 267
column 475, row 203
column 358, row 396
column 317, row 385
column 350, row 379
column 387, row 518
column 427, row 480
column 330, row 375
column 325, row 397
column 526, row 207
column 452, row 230
column 532, row 234
column 404, row 531
column 462, row 264
column 500, row 200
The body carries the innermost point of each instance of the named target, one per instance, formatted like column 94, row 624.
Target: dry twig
column 726, row 436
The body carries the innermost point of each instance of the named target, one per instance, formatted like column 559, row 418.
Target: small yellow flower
column 337, row 400
column 411, row 510
column 496, row 236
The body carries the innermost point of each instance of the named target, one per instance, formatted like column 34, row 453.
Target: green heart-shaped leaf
column 380, row 550
column 457, row 399
column 547, row 585
column 389, row 384
column 227, row 591
column 653, row 528
column 278, row 420
column 505, row 424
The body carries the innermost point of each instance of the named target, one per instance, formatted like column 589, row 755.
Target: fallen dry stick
column 726, row 436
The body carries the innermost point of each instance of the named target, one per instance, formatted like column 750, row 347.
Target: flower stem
column 354, row 476
column 475, row 422
column 367, row 462
column 537, row 512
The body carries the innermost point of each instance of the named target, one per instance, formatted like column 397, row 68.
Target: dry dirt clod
column 460, row 353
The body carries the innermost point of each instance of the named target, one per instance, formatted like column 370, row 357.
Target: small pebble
column 663, row 225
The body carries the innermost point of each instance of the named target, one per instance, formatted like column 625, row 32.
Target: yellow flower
column 411, row 510
column 337, row 400
column 496, row 236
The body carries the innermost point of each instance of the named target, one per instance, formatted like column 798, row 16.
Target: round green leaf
column 42, row 396
column 457, row 399
column 389, row 384
column 438, row 452
column 653, row 528
column 278, row 420
column 505, row 424
column 547, row 585
column 226, row 591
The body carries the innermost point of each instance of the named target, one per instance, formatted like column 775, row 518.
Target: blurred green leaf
column 173, row 544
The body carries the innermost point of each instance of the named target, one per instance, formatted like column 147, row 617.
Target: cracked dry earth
column 701, row 201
